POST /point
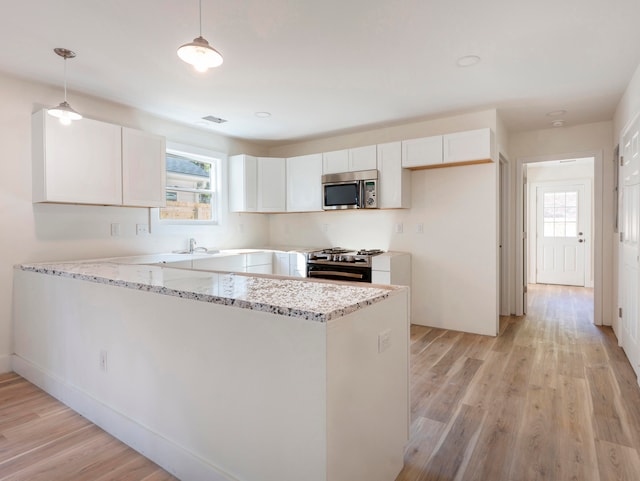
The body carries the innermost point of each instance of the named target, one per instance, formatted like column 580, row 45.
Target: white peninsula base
column 222, row 393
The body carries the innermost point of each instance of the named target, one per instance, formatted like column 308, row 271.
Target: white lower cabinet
column 92, row 162
column 391, row 268
column 259, row 262
column 230, row 263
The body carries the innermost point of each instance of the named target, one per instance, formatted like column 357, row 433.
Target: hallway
column 552, row 398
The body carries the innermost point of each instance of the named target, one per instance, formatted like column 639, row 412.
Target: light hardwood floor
column 552, row 398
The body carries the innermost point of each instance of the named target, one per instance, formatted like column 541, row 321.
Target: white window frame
column 218, row 160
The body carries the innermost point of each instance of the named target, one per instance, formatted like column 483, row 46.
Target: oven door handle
column 351, row 275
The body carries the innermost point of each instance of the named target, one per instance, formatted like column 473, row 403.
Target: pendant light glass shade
column 64, row 112
column 199, row 53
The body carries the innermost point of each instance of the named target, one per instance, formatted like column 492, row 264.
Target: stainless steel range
column 341, row 264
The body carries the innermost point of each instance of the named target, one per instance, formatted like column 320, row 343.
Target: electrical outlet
column 399, row 228
column 115, row 229
column 419, row 228
column 103, row 361
column 384, row 340
column 142, row 229
column 325, row 227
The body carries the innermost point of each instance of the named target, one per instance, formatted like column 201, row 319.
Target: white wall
column 38, row 232
column 454, row 262
column 558, row 143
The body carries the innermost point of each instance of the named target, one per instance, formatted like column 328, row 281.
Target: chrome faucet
column 193, row 248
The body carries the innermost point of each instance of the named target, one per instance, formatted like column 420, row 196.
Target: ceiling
column 330, row 66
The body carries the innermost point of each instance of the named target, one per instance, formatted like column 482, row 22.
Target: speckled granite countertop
column 308, row 299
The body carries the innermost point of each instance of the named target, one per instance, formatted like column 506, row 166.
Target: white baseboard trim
column 170, row 456
column 5, row 363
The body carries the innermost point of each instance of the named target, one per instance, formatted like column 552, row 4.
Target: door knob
column 580, row 240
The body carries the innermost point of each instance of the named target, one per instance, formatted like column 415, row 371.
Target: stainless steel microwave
column 350, row 190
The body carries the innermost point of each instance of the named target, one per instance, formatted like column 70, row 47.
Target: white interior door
column 563, row 216
column 629, row 225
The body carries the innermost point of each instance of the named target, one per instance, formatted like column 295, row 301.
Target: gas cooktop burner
column 369, row 252
column 335, row 250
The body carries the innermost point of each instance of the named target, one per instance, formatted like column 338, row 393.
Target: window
column 192, row 188
column 560, row 214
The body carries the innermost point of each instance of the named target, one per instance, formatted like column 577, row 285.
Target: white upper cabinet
column 143, row 169
column 459, row 148
column 468, row 146
column 77, row 163
column 92, row 162
column 335, row 162
column 363, row 158
column 271, row 184
column 422, row 152
column 349, row 160
column 256, row 184
column 243, row 183
column 304, row 188
column 394, row 182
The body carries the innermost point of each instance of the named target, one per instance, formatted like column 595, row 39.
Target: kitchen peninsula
column 223, row 376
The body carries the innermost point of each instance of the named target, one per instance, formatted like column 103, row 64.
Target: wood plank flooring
column 552, row 398
column 43, row 440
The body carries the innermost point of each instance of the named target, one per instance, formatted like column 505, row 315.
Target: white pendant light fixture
column 64, row 112
column 199, row 53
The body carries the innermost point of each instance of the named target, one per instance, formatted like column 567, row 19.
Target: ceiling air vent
column 215, row 120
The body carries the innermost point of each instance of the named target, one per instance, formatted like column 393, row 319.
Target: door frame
column 504, row 307
column 533, row 221
column 597, row 227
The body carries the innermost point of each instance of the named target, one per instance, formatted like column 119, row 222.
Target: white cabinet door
column 422, row 152
column 281, row 263
column 143, row 169
column 77, row 163
column 394, row 182
column 297, row 264
column 363, row 158
column 230, row 263
column 243, row 183
column 304, row 183
column 335, row 162
column 467, row 146
column 260, row 262
column 391, row 268
column 271, row 184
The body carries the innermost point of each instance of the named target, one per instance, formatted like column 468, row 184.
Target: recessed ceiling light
column 555, row 113
column 557, row 123
column 468, row 61
column 263, row 115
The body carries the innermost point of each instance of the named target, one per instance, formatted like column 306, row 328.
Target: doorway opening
column 559, row 217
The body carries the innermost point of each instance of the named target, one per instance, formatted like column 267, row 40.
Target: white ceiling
column 326, row 66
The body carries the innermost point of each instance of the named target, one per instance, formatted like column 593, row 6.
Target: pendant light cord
column 200, row 9
column 65, row 79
